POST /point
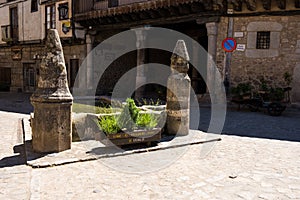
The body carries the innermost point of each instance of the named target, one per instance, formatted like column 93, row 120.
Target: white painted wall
column 31, row 24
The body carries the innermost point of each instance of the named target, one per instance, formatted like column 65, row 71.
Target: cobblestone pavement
column 14, row 175
column 237, row 168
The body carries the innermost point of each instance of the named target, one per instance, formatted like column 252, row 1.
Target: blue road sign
column 229, row 44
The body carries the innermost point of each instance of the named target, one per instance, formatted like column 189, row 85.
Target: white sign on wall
column 240, row 47
column 238, row 34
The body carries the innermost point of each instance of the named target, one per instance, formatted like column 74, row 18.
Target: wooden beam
column 164, row 12
column 197, row 7
column 251, row 5
column 134, row 16
column 204, row 20
column 208, row 5
column 184, row 9
column 237, row 5
column 110, row 20
column 266, row 4
column 174, row 11
column 154, row 14
column 219, row 4
column 144, row 15
column 157, row 22
column 281, row 4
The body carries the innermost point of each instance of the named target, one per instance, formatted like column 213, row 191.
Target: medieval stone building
column 24, row 26
column 266, row 31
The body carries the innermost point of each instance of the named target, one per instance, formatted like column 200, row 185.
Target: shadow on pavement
column 18, row 159
column 257, row 124
column 15, row 102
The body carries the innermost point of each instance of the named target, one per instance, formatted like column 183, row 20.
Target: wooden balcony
column 126, row 13
column 9, row 33
column 82, row 6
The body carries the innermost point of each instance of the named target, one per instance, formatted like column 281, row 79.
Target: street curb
column 78, row 152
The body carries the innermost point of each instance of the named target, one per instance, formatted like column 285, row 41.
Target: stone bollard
column 178, row 94
column 52, row 101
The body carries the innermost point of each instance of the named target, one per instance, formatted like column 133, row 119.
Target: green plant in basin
column 109, row 124
column 147, row 121
column 130, row 119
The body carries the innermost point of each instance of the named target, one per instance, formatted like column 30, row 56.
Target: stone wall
column 254, row 65
column 31, row 55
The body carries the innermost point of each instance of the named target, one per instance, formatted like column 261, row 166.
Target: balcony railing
column 9, row 33
column 6, row 33
column 82, row 6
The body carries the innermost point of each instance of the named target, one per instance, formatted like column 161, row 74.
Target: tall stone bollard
column 178, row 94
column 52, row 101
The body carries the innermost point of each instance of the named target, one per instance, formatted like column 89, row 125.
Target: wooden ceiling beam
column 164, row 12
column 184, row 9
column 126, row 17
column 251, row 5
column 197, row 7
column 154, row 14
column 281, row 4
column 134, row 16
column 174, row 11
column 266, row 4
column 236, row 4
column 144, row 15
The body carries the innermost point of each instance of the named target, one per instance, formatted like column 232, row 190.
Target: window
column 63, row 10
column 263, row 40
column 34, row 5
column 14, row 23
column 50, row 17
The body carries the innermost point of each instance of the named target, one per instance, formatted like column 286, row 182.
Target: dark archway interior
column 121, row 65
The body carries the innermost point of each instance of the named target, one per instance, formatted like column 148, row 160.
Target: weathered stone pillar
column 178, row 94
column 212, row 31
column 141, row 56
column 89, row 62
column 52, row 101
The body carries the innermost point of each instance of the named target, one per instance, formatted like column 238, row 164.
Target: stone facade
column 30, row 59
column 257, row 65
column 239, row 19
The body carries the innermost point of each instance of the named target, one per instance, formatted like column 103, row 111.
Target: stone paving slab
column 14, row 174
column 92, row 150
column 238, row 168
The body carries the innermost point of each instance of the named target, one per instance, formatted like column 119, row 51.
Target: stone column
column 178, row 93
column 212, row 31
column 141, row 56
column 89, row 62
column 52, row 101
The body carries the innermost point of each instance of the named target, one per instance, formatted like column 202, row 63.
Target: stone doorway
column 29, row 74
column 5, row 79
column 72, row 72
